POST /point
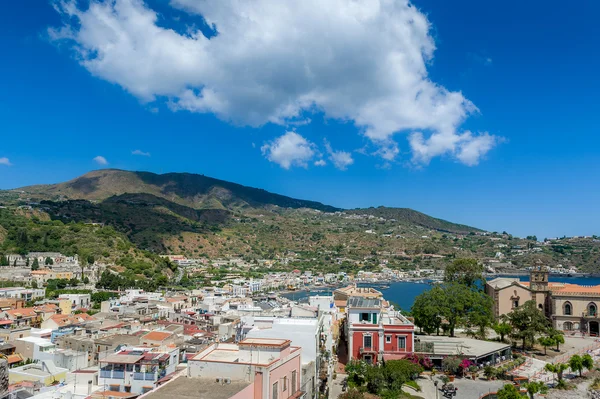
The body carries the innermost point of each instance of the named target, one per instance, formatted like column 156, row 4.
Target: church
column 570, row 307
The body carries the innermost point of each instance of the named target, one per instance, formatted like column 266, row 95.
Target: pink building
column 256, row 368
column 375, row 333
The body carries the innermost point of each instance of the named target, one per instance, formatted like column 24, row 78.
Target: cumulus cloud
column 289, row 150
column 140, row 152
column 5, row 161
column 467, row 147
column 100, row 160
column 320, row 162
column 340, row 159
column 274, row 61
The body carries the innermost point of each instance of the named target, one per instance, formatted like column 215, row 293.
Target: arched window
column 568, row 309
column 541, row 306
column 592, row 309
column 567, row 326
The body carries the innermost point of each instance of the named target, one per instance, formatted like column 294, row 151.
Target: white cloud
column 320, row 162
column 100, row 160
column 472, row 149
column 275, row 61
column 340, row 159
column 467, row 147
column 289, row 150
column 140, row 152
column 5, row 161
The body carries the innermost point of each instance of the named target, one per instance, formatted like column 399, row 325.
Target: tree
column 34, row 284
column 558, row 369
column 546, row 342
column 465, row 271
column 502, row 329
column 587, row 361
column 35, row 265
column 557, row 336
column 481, row 312
column 526, row 322
column 509, row 391
column 427, row 310
column 535, row 387
column 48, row 261
column 4, row 261
column 356, row 370
column 451, row 364
column 86, row 280
column 576, row 364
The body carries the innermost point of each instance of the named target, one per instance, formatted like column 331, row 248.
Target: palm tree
column 535, row 387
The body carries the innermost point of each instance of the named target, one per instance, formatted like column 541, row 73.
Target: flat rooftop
column 278, row 342
column 362, row 302
column 197, row 388
column 461, row 346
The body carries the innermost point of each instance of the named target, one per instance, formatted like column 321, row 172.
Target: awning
column 166, row 378
column 16, row 358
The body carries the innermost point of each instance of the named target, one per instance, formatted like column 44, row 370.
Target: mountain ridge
column 202, row 192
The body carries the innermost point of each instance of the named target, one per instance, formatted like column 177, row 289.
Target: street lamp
column 436, row 389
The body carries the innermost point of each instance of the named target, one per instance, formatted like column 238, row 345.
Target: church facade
column 570, row 307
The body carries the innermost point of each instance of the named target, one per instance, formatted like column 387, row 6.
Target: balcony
column 366, row 349
column 144, row 376
column 590, row 315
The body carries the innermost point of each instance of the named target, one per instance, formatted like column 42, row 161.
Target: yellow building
column 37, row 372
column 570, row 307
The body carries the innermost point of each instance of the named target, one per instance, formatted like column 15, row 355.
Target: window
column 367, row 341
column 592, row 310
column 284, row 388
column 568, row 309
column 388, row 339
column 516, row 303
column 294, row 382
column 567, row 326
column 364, row 317
column 401, row 343
column 275, row 391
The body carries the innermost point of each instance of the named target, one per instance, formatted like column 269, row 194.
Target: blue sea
column 404, row 293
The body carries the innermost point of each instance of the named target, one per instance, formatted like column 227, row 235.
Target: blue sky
column 507, row 103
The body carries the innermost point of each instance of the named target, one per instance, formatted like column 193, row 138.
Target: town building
column 375, row 333
column 259, row 368
column 570, row 307
column 136, row 370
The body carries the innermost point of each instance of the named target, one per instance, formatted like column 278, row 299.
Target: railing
column 118, row 375
column 105, row 374
column 424, row 347
column 150, row 377
column 138, row 376
column 366, row 349
column 589, row 314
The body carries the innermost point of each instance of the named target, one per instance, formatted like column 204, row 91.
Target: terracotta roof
column 24, row 312
column 157, row 336
column 16, row 358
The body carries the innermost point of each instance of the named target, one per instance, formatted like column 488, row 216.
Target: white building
column 78, row 301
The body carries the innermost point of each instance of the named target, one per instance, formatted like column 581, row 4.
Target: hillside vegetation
column 33, row 231
column 202, row 217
